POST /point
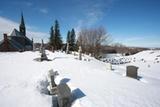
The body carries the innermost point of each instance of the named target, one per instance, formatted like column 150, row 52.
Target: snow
column 91, row 82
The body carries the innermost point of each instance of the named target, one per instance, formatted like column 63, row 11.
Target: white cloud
column 7, row 25
column 93, row 12
column 44, row 10
column 78, row 27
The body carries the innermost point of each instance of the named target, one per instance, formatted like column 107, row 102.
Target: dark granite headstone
column 64, row 95
column 132, row 72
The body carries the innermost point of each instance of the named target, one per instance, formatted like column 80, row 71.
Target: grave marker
column 51, row 80
column 67, row 49
column 80, row 53
column 64, row 95
column 132, row 72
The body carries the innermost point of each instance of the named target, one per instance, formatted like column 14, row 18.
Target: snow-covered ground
column 93, row 84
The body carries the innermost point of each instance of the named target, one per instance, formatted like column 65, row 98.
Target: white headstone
column 109, row 66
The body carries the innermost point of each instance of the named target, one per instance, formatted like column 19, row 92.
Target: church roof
column 15, row 32
column 15, row 44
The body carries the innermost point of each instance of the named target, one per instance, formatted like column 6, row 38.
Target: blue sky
column 130, row 22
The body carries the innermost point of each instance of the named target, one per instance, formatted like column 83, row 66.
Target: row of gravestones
column 62, row 91
column 44, row 56
column 125, row 60
column 156, row 60
column 79, row 51
column 117, row 61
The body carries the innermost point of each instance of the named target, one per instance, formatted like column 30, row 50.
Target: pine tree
column 58, row 39
column 68, row 37
column 51, row 36
column 72, row 40
column 55, row 39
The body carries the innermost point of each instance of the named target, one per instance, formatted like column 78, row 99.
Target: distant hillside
column 122, row 49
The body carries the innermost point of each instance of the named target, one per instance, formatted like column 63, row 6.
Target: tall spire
column 22, row 27
column 22, row 19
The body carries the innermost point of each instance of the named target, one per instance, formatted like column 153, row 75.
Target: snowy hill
column 91, row 81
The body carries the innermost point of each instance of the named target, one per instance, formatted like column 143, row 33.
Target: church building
column 17, row 40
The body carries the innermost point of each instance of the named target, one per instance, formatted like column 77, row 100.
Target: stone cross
column 51, row 79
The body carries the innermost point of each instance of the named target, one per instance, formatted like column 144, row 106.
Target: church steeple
column 22, row 27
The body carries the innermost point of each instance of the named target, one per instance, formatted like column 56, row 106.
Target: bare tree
column 92, row 39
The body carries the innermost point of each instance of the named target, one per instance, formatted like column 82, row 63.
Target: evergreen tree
column 68, row 37
column 58, row 39
column 72, row 40
column 55, row 39
column 51, row 36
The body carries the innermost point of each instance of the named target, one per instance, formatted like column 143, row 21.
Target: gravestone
column 80, row 53
column 132, row 72
column 51, row 80
column 43, row 53
column 53, row 84
column 33, row 46
column 67, row 49
column 42, row 46
column 64, row 95
column 109, row 66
